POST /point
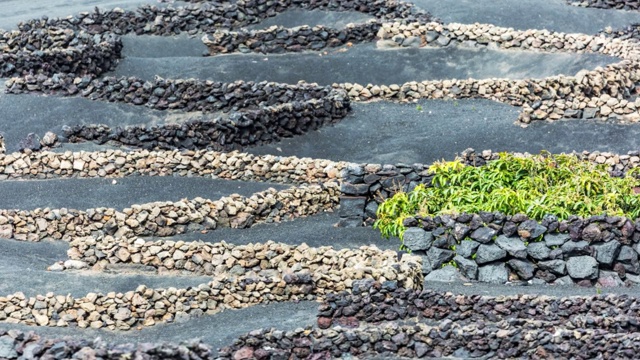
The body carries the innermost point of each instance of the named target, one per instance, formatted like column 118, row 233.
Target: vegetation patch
column 560, row 185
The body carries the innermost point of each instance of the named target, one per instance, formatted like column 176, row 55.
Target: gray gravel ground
column 554, row 15
column 80, row 194
column 317, row 230
column 361, row 63
column 23, row 267
column 215, row 330
column 389, row 133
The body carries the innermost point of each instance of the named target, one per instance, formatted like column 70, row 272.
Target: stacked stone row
column 16, row 344
column 262, row 112
column 278, row 39
column 258, row 259
column 170, row 218
column 602, row 92
column 369, row 302
column 53, row 50
column 426, row 341
column 286, row 276
column 607, row 4
column 207, row 17
column 117, row 163
column 493, row 247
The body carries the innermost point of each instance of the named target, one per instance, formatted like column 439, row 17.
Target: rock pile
column 243, row 276
column 170, row 218
column 15, row 344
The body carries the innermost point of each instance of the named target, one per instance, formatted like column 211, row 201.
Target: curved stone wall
column 261, row 273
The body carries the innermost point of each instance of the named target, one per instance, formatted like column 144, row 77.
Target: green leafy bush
column 538, row 185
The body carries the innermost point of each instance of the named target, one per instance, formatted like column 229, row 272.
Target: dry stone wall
column 607, row 4
column 261, row 112
column 117, row 163
column 447, row 339
column 600, row 93
column 261, row 273
column 279, row 39
column 170, row 218
column 369, row 302
column 493, row 247
column 16, row 344
column 54, row 50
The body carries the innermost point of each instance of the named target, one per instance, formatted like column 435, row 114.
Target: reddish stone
column 244, row 353
column 324, row 322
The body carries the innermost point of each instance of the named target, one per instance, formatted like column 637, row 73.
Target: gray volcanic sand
column 389, row 133
column 14, row 11
column 363, row 64
column 555, row 15
column 23, row 268
column 80, row 194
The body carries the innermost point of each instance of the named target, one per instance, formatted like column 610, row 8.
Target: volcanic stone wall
column 170, row 218
column 16, row 344
column 118, row 163
column 603, row 92
column 372, row 303
column 277, row 39
column 493, row 247
column 502, row 341
column 55, row 50
column 607, row 4
column 261, row 273
column 262, row 112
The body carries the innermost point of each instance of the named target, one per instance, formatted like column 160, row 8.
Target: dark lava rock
column 493, row 273
column 467, row 248
column 488, row 253
column 524, row 269
column 417, row 239
column 558, row 267
column 582, row 267
column 483, row 234
column 468, row 268
column 538, row 251
column 606, row 253
column 514, row 246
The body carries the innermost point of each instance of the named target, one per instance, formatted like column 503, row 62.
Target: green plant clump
column 538, row 185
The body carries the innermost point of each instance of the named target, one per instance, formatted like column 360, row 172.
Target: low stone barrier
column 492, row 247
column 118, row 163
column 262, row 112
column 261, row 273
column 17, row 344
column 600, row 93
column 277, row 39
column 369, row 302
column 170, row 218
column 607, row 4
column 52, row 50
column 447, row 339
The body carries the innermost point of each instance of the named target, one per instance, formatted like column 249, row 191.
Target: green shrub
column 538, row 185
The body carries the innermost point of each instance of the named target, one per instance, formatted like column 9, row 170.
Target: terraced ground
column 198, row 179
